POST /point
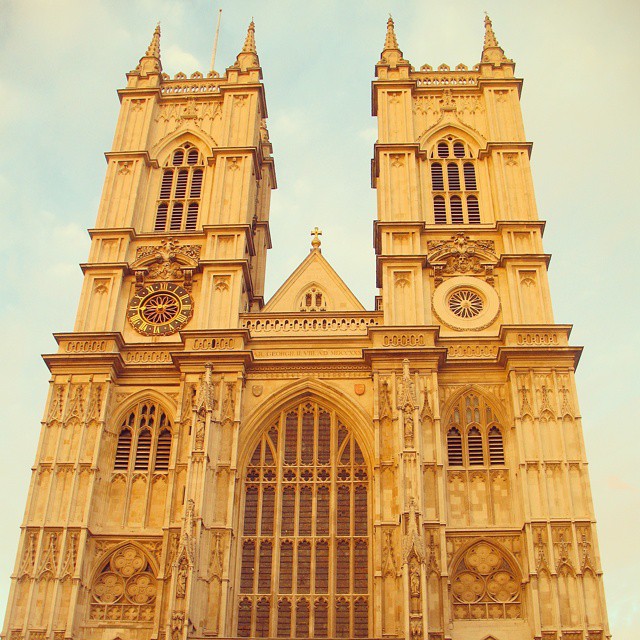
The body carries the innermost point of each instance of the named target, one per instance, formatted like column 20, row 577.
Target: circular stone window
column 465, row 303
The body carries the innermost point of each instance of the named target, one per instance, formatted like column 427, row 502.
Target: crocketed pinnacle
column 390, row 42
column 391, row 54
column 248, row 57
column 491, row 51
column 489, row 36
column 250, row 40
column 153, row 50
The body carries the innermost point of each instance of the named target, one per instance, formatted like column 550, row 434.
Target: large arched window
column 180, row 191
column 453, row 181
column 304, row 548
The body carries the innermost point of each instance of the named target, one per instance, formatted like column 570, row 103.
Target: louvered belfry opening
column 180, row 191
column 454, row 184
column 304, row 549
column 482, row 444
column 145, row 430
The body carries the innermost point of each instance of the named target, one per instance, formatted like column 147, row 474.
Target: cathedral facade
column 214, row 465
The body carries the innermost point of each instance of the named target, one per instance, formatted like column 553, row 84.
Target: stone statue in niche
column 181, row 581
column 414, row 584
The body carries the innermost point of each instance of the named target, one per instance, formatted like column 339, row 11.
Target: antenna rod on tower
column 215, row 41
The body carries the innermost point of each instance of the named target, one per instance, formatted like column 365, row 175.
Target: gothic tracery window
column 485, row 584
column 304, row 549
column 453, row 183
column 180, row 191
column 125, row 588
column 474, row 436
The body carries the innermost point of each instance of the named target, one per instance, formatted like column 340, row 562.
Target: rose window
column 485, row 585
column 465, row 303
column 125, row 589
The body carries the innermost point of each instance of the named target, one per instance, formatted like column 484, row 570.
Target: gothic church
column 214, row 465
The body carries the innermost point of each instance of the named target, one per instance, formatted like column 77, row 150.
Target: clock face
column 160, row 309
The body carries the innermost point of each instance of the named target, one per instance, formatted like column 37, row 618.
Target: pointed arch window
column 144, row 440
column 455, row 199
column 474, row 436
column 304, row 546
column 180, row 191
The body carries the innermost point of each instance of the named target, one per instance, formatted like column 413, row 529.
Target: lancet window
column 144, row 440
column 304, row 548
column 474, row 436
column 454, row 184
column 180, row 190
column 313, row 299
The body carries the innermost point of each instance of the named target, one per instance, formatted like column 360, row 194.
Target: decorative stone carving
column 174, row 544
column 384, row 409
column 70, row 556
column 485, row 585
column 125, row 589
column 177, row 623
column 75, row 406
column 227, row 412
column 206, row 391
column 461, row 255
column 416, row 630
column 216, row 565
column 562, row 550
column 427, row 412
column 182, row 573
column 389, row 567
column 187, row 542
column 95, row 402
column 540, row 548
column 168, row 261
column 584, row 543
column 566, row 409
column 57, row 402
column 407, row 403
column 205, row 402
column 433, row 552
column 523, row 393
column 413, row 543
column 29, row 555
column 49, row 559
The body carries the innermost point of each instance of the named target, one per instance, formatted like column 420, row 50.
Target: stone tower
column 211, row 466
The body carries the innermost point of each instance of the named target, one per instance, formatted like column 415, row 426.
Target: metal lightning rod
column 215, row 41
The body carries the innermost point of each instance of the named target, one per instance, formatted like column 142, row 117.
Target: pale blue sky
column 61, row 63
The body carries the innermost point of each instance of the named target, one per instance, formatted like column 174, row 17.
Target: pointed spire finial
column 491, row 51
column 250, row 40
column 489, row 36
column 391, row 53
column 391, row 42
column 153, row 50
column 248, row 57
column 150, row 61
